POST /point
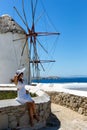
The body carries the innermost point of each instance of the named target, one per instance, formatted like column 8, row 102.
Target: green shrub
column 11, row 94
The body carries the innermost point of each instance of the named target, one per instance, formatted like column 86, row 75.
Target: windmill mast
column 31, row 37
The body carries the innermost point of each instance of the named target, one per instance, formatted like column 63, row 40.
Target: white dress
column 22, row 97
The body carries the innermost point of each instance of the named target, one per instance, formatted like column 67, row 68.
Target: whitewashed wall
column 10, row 56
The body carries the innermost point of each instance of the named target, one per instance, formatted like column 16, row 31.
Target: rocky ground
column 65, row 119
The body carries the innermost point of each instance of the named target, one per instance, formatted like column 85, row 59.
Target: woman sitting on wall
column 23, row 95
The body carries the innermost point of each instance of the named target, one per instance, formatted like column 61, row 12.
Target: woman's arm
column 15, row 80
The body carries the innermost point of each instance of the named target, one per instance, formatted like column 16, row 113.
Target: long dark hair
column 21, row 80
column 17, row 78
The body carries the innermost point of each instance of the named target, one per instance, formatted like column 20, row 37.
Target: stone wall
column 76, row 103
column 13, row 114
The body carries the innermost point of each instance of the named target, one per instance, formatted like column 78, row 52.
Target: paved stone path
column 63, row 118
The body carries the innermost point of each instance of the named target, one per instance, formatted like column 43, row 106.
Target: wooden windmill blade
column 33, row 9
column 25, row 16
column 41, row 61
column 26, row 24
column 42, row 46
column 24, row 47
column 36, row 34
column 20, row 16
column 19, row 39
column 47, row 33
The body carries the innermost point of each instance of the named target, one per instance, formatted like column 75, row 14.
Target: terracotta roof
column 8, row 24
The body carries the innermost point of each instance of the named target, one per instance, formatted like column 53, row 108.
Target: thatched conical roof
column 8, row 24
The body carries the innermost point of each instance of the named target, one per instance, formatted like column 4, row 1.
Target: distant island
column 49, row 77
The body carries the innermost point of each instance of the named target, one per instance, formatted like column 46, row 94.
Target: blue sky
column 70, row 19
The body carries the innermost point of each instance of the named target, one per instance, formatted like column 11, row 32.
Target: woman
column 23, row 95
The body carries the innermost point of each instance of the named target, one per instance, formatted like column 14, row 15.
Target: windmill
column 32, row 38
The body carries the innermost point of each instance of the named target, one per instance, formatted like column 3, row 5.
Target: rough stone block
column 13, row 124
column 24, row 120
column 80, row 111
column 3, row 121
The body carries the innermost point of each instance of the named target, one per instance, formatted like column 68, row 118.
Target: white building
column 10, row 50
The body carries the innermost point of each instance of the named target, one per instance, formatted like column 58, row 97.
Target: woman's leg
column 30, row 111
column 33, row 107
column 34, row 111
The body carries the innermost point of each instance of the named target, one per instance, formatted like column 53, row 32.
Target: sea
column 62, row 80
